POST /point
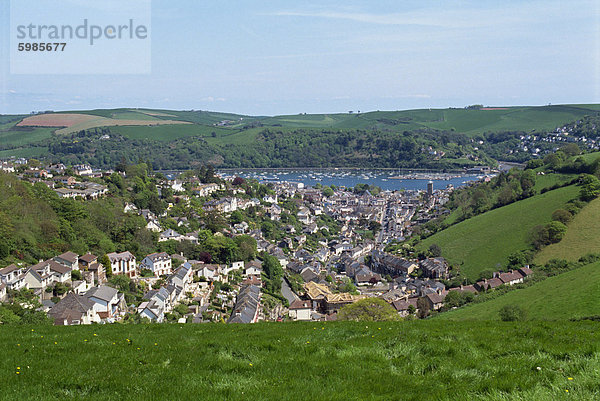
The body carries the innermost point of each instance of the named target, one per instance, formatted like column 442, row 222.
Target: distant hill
column 181, row 139
column 468, row 121
column 484, row 242
column 573, row 294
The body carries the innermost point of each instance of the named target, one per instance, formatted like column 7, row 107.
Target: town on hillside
column 310, row 251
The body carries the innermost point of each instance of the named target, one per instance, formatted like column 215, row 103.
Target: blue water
column 350, row 178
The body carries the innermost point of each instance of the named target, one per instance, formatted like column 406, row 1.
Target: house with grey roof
column 108, row 302
column 69, row 259
column 74, row 309
column 14, row 277
column 247, row 305
column 159, row 263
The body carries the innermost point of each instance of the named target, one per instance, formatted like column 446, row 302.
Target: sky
column 283, row 57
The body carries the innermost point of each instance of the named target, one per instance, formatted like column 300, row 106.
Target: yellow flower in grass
column 570, row 378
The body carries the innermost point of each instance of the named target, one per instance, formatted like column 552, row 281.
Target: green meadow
column 582, row 237
column 416, row 360
column 573, row 294
column 485, row 241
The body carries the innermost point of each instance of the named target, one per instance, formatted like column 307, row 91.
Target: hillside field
column 485, row 241
column 467, row 121
column 417, row 360
column 582, row 237
column 573, row 294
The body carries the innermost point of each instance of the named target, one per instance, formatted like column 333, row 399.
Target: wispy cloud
column 456, row 17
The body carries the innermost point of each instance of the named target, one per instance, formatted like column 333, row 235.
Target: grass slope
column 582, row 237
column 569, row 295
column 419, row 360
column 486, row 240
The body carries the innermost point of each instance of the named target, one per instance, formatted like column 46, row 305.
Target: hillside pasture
column 582, row 237
column 485, row 241
column 573, row 294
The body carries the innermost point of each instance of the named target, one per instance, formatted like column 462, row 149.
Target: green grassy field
column 169, row 132
column 548, row 180
column 36, row 151
column 24, row 136
column 573, row 294
column 419, row 360
column 485, row 241
column 582, row 237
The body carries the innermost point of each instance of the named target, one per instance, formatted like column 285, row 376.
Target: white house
column 69, row 259
column 170, row 234
column 253, row 268
column 123, row 263
column 159, row 263
column 13, row 277
column 300, row 310
column 107, row 300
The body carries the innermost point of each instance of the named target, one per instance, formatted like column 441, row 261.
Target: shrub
column 562, row 215
column 512, row 313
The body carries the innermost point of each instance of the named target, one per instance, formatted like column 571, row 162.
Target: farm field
column 485, row 241
column 573, row 294
column 582, row 237
column 74, row 122
column 417, row 360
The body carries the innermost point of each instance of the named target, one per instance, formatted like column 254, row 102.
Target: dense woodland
column 275, row 148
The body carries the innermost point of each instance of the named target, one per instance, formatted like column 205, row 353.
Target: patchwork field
column 418, row 360
column 485, row 241
column 573, row 294
column 75, row 122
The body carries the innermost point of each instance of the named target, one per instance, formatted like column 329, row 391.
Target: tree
column 423, row 307
column 556, row 231
column 435, row 250
column 518, row 259
column 562, row 215
column 512, row 313
column 105, row 261
column 273, row 272
column 590, row 188
column 368, row 309
column 328, row 192
column 571, row 149
column 238, row 181
column 539, row 236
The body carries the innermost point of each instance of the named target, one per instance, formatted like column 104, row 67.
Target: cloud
column 448, row 17
column 213, row 99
